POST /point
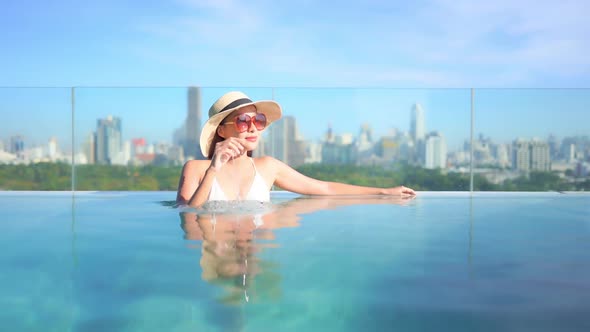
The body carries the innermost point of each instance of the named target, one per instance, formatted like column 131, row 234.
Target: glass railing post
column 471, row 143
column 73, row 101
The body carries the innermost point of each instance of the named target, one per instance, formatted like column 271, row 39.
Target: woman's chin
column 251, row 146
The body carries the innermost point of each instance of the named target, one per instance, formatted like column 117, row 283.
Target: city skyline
column 417, row 145
column 498, row 162
column 52, row 139
column 156, row 113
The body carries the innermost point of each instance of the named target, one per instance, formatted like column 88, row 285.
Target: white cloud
column 440, row 43
column 531, row 34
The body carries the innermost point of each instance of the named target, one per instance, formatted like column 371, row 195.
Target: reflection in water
column 470, row 233
column 231, row 244
column 234, row 235
column 73, row 230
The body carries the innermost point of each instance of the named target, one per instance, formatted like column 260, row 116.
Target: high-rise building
column 364, row 143
column 313, row 152
column 344, row 139
column 283, row 142
column 502, row 155
column 540, row 156
column 554, row 143
column 109, row 139
column 417, row 135
column 521, row 155
column 90, row 148
column 175, row 155
column 178, row 136
column 571, row 153
column 52, row 148
column 329, row 136
column 388, row 148
column 531, row 155
column 575, row 148
column 407, row 148
column 482, row 150
column 17, row 145
column 417, row 128
column 192, row 124
column 123, row 157
column 339, row 150
column 435, row 151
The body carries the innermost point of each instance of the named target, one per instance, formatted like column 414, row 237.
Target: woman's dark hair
column 217, row 139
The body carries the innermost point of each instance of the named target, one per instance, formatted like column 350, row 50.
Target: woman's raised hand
column 227, row 150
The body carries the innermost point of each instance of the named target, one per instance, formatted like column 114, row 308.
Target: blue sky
column 373, row 46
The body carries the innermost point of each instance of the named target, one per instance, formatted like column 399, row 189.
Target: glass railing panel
column 139, row 138
column 375, row 137
column 35, row 139
column 532, row 140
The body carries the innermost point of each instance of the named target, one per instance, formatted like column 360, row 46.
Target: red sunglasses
column 243, row 122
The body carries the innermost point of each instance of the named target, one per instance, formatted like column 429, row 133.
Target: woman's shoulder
column 265, row 163
column 264, row 160
column 270, row 164
column 199, row 166
column 266, row 167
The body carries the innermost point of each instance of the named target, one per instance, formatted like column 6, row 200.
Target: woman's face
column 228, row 127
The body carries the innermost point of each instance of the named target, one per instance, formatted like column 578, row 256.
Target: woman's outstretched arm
column 291, row 180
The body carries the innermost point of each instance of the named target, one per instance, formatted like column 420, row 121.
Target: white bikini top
column 258, row 190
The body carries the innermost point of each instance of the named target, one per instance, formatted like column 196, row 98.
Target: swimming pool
column 122, row 261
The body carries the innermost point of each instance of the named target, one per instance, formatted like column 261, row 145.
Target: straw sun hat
column 228, row 103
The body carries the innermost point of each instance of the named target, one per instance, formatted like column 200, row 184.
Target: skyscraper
column 521, row 155
column 313, row 152
column 192, row 124
column 572, row 153
column 109, row 139
column 283, row 142
column 531, row 156
column 365, row 139
column 90, row 148
column 540, row 156
column 502, row 155
column 17, row 145
column 417, row 135
column 435, row 151
column 52, row 148
column 417, row 129
column 553, row 146
column 388, row 148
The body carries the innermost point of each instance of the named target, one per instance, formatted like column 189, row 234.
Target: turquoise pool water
column 131, row 262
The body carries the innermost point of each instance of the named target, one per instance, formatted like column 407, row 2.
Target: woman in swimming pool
column 228, row 138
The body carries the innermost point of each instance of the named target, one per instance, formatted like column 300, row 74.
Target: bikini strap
column 253, row 164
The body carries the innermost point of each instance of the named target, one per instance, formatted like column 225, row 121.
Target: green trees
column 41, row 176
column 379, row 176
column 57, row 176
column 148, row 178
